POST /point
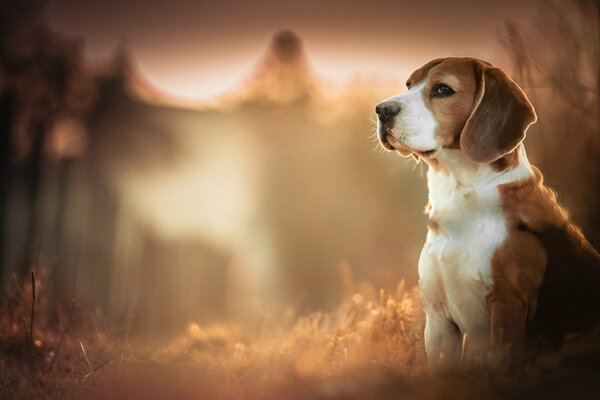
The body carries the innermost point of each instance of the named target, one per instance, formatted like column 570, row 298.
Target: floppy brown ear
column 500, row 117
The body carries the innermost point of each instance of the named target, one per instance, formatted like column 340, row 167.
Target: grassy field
column 371, row 347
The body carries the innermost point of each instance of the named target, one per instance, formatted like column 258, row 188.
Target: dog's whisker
column 414, row 166
column 371, row 119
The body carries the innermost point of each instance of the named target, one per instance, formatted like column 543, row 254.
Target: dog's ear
column 500, row 116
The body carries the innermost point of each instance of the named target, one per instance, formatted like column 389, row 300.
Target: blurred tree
column 40, row 69
column 556, row 59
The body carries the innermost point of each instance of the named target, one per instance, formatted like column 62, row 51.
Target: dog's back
column 569, row 297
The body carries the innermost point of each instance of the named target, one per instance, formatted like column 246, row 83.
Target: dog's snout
column 387, row 109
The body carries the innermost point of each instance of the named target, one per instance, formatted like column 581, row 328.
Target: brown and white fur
column 503, row 268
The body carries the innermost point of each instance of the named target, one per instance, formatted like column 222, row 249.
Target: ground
column 369, row 348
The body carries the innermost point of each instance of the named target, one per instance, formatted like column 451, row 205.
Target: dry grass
column 369, row 348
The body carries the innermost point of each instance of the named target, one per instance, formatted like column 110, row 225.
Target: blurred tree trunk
column 32, row 179
column 60, row 295
column 7, row 112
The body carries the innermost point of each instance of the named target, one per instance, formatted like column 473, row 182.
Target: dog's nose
column 387, row 109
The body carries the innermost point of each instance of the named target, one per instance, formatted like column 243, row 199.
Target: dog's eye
column 441, row 90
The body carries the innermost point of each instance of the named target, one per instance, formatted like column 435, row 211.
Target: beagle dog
column 503, row 269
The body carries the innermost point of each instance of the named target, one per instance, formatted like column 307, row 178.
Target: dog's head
column 456, row 103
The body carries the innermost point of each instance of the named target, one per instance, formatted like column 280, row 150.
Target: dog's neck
column 459, row 185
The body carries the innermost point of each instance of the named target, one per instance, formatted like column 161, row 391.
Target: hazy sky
column 196, row 49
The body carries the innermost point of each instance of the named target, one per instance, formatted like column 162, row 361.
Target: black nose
column 387, row 109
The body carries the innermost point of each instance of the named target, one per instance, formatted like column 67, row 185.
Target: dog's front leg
column 518, row 268
column 508, row 320
column 442, row 340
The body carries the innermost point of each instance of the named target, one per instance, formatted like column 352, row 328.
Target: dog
column 503, row 270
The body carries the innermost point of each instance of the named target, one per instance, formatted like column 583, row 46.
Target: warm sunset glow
column 184, row 52
column 196, row 201
column 200, row 81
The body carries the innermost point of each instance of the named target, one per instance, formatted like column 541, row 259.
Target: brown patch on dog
column 518, row 267
column 452, row 112
column 531, row 203
column 420, row 74
column 546, row 274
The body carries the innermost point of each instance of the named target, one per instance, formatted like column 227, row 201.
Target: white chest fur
column 468, row 224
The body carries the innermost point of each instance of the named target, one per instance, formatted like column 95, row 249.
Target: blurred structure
column 283, row 75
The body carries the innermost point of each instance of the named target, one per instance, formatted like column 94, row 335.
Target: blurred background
column 176, row 161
